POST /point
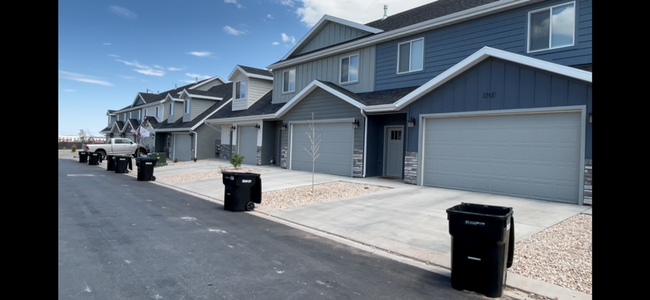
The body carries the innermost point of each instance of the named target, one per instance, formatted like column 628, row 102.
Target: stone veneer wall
column 283, row 158
column 225, row 151
column 587, row 192
column 411, row 167
column 357, row 163
column 259, row 155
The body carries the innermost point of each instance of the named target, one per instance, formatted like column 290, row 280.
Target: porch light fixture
column 111, row 134
column 355, row 123
column 122, row 134
column 411, row 122
column 284, row 126
column 257, row 126
column 233, row 127
column 589, row 117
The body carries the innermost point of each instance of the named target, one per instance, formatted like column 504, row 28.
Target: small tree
column 83, row 136
column 236, row 160
column 312, row 149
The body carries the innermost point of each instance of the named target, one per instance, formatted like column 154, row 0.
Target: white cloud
column 127, row 77
column 360, row 11
column 84, row 78
column 232, row 31
column 269, row 16
column 143, row 69
column 200, row 77
column 275, row 43
column 233, row 2
column 286, row 38
column 287, row 2
column 121, row 11
column 173, row 69
column 201, row 53
column 113, row 55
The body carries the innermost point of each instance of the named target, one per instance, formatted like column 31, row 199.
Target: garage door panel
column 248, row 144
column 527, row 155
column 182, row 147
column 335, row 152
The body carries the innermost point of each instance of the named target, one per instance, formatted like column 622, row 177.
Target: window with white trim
column 187, row 106
column 240, row 90
column 171, row 108
column 289, row 81
column 410, row 56
column 146, row 112
column 157, row 112
column 551, row 27
column 350, row 68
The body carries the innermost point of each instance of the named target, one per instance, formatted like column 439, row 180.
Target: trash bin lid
column 482, row 210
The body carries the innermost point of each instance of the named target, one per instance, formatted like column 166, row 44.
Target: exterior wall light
column 355, row 123
column 411, row 122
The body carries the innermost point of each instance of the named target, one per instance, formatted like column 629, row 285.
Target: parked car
column 117, row 146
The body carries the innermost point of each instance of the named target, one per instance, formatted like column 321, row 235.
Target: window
column 171, row 108
column 187, row 106
column 410, row 56
column 350, row 68
column 289, row 81
column 124, row 117
column 146, row 112
column 157, row 111
column 240, row 90
column 552, row 27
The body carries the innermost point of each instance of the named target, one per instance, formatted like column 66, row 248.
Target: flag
column 144, row 133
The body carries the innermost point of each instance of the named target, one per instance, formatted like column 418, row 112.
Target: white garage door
column 247, row 142
column 183, row 147
column 526, row 155
column 335, row 152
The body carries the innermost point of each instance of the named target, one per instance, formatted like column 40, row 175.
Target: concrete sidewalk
column 406, row 222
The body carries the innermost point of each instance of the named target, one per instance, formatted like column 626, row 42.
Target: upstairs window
column 410, row 56
column 289, row 81
column 350, row 69
column 146, row 112
column 187, row 106
column 157, row 111
column 171, row 108
column 552, row 27
column 240, row 90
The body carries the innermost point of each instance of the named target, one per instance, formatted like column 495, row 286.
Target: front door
column 393, row 151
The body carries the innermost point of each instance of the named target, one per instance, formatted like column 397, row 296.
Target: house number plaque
column 489, row 95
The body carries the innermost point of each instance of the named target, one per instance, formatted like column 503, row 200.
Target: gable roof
column 417, row 20
column 321, row 24
column 262, row 109
column 206, row 81
column 251, row 72
column 119, row 125
column 179, row 125
column 473, row 60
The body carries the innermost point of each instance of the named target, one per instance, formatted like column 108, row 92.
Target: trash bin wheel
column 250, row 206
column 153, row 178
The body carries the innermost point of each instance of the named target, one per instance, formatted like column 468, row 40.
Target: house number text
column 489, row 95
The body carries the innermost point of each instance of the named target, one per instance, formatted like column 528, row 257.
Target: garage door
column 526, row 155
column 335, row 152
column 183, row 147
column 247, row 142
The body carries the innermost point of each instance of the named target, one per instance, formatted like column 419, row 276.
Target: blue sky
column 111, row 50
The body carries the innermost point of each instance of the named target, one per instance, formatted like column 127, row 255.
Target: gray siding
column 325, row 106
column 507, row 31
column 330, row 34
column 139, row 101
column 197, row 106
column 257, row 88
column 515, row 86
column 328, row 69
column 206, row 141
column 239, row 104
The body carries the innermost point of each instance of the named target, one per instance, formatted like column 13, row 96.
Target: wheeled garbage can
column 123, row 164
column 482, row 246
column 110, row 162
column 83, row 156
column 94, row 158
column 145, row 168
column 242, row 191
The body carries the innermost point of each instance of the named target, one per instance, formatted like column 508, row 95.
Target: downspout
column 196, row 139
column 365, row 142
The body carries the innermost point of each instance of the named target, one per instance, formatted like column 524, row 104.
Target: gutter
column 365, row 142
column 196, row 140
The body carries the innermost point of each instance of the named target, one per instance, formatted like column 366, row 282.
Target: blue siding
column 515, row 86
column 375, row 148
column 444, row 47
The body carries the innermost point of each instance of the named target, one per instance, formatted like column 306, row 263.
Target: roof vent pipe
column 385, row 12
column 197, row 79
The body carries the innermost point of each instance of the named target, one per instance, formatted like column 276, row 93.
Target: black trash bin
column 83, row 156
column 123, row 164
column 145, row 168
column 94, row 158
column 482, row 246
column 110, row 162
column 242, row 190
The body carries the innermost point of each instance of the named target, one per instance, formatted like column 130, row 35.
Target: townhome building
column 480, row 95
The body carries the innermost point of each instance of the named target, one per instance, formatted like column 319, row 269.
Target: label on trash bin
column 475, row 258
column 508, row 227
column 246, row 181
column 468, row 222
column 147, row 163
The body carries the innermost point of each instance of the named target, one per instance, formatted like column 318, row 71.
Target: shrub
column 236, row 160
column 64, row 148
column 175, row 160
column 194, row 159
column 74, row 148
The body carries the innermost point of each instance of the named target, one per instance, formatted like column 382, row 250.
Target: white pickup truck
column 117, row 146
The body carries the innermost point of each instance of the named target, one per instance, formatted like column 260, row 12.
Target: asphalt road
column 120, row 238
